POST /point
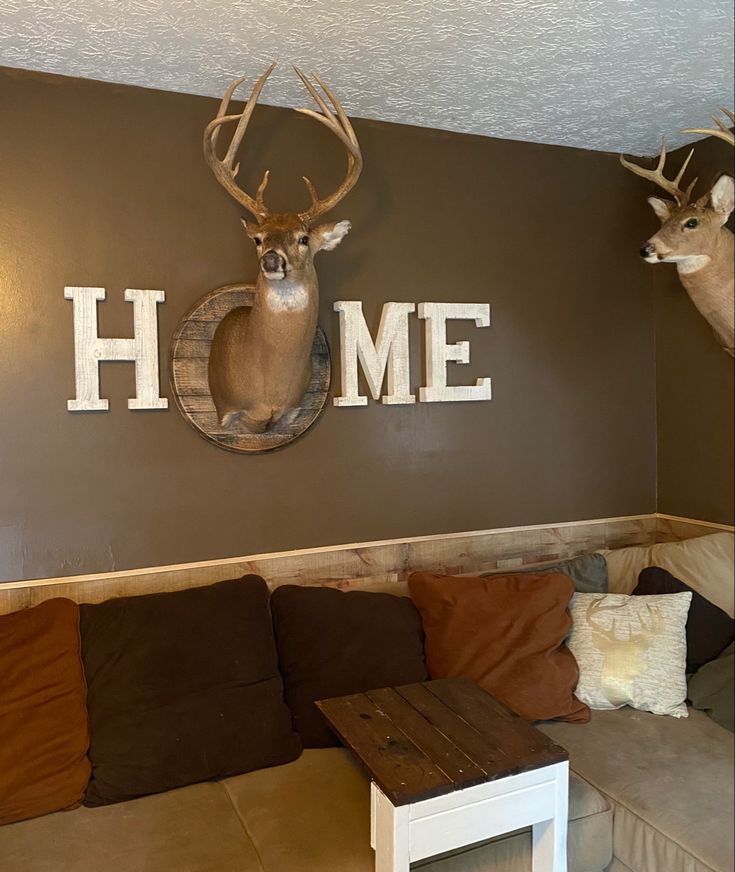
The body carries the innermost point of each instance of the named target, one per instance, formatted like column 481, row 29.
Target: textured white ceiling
column 599, row 74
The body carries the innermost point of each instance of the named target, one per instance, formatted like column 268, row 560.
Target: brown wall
column 694, row 384
column 104, row 185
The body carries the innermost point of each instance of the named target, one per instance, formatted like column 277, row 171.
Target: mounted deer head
column 260, row 359
column 694, row 237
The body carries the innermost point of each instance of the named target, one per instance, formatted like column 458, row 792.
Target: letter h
column 90, row 350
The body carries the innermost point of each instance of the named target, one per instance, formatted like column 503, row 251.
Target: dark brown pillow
column 506, row 633
column 709, row 629
column 44, row 730
column 183, row 687
column 332, row 643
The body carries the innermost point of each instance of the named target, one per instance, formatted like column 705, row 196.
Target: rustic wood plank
column 401, row 770
column 425, row 740
column 489, row 758
column 190, row 348
column 452, row 760
column 670, row 528
column 216, row 305
column 467, row 552
column 496, row 723
column 197, row 330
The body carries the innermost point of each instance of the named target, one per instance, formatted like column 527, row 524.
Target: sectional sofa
column 648, row 793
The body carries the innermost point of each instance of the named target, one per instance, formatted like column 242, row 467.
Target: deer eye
column 304, row 240
column 691, row 224
column 257, row 240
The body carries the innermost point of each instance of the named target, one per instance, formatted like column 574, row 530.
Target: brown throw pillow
column 332, row 643
column 44, row 731
column 183, row 687
column 507, row 634
column 709, row 629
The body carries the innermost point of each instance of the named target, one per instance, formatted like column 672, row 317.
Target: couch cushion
column 709, row 629
column 313, row 815
column 706, row 564
column 332, row 643
column 587, row 571
column 183, row 687
column 194, row 829
column 631, row 650
column 670, row 781
column 506, row 632
column 44, row 730
column 711, row 689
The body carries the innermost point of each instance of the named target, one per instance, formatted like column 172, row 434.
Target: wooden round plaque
column 189, row 376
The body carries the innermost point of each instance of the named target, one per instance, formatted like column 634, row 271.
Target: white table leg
column 550, row 837
column 389, row 833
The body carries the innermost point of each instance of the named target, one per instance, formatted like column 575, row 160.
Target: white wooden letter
column 90, row 350
column 390, row 351
column 439, row 352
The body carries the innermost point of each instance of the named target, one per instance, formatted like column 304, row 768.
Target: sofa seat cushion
column 194, row 829
column 670, row 781
column 313, row 815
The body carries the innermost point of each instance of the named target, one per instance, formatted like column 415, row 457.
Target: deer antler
column 593, row 609
column 339, row 124
column 671, row 186
column 722, row 131
column 226, row 169
column 656, row 623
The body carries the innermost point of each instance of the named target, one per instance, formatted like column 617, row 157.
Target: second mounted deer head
column 260, row 359
column 694, row 237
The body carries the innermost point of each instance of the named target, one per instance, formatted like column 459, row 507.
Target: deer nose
column 647, row 250
column 272, row 261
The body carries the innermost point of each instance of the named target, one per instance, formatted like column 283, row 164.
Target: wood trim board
column 378, row 566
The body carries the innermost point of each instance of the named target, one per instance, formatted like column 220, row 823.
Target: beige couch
column 647, row 793
column 312, row 815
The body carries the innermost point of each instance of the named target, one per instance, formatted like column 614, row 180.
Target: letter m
column 388, row 353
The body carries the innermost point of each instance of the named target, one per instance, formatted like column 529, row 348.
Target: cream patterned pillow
column 631, row 650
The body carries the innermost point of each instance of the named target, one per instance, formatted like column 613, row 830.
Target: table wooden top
column 425, row 740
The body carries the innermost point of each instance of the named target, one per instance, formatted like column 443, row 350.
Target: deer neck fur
column 283, row 321
column 708, row 280
column 289, row 305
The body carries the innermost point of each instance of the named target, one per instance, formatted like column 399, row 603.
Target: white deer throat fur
column 289, row 298
column 692, row 264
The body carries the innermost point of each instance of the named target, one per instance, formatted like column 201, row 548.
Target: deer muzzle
column 273, row 264
column 648, row 252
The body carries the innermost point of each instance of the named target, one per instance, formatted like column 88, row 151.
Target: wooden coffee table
column 451, row 766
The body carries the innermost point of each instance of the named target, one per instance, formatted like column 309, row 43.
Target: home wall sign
column 383, row 360
column 249, row 367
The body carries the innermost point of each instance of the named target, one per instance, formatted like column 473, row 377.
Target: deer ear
column 722, row 197
column 664, row 209
column 329, row 236
column 251, row 228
